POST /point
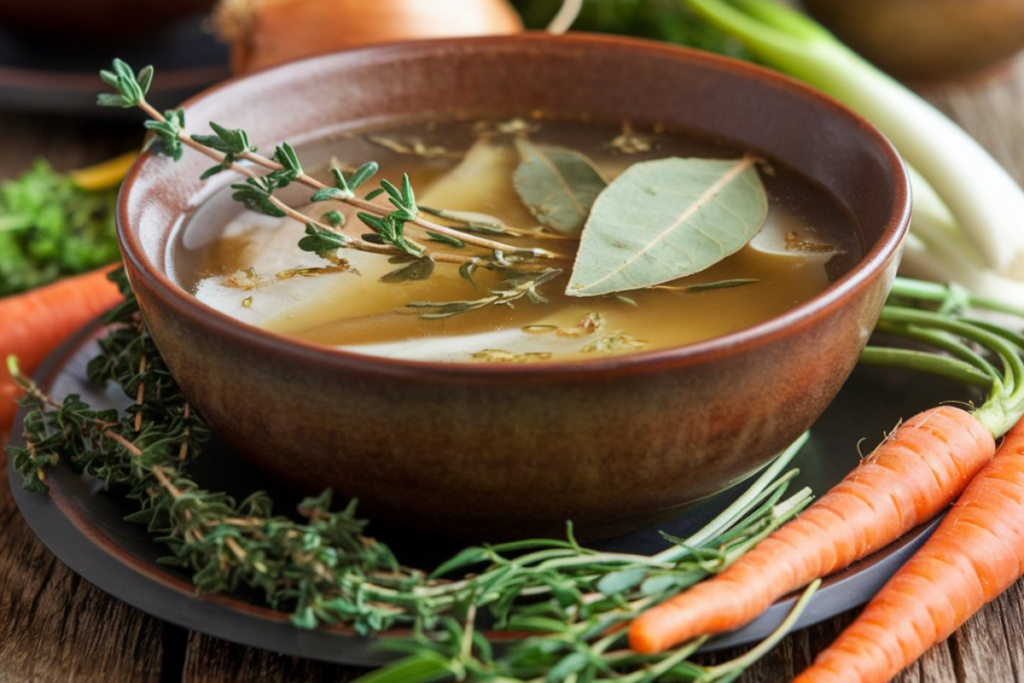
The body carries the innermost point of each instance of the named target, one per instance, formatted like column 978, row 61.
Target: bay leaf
column 666, row 219
column 557, row 185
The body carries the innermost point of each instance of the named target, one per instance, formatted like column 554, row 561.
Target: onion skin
column 271, row 32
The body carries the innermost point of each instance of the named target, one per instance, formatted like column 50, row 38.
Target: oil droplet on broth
column 358, row 312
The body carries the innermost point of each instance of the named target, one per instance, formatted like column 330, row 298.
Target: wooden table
column 56, row 627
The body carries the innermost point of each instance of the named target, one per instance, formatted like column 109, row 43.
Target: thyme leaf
column 169, row 132
column 323, row 243
column 511, row 290
column 255, row 194
column 420, row 269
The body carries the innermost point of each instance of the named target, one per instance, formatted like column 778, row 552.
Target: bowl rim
column 871, row 264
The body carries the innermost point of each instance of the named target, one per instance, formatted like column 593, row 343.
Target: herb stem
column 468, row 238
column 739, row 507
column 739, row 664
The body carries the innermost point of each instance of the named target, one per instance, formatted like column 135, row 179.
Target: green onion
column 982, row 196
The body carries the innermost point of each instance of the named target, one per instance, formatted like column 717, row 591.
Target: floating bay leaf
column 666, row 219
column 558, row 185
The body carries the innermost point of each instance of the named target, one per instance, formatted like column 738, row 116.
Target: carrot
column 36, row 322
column 975, row 554
column 908, row 479
column 920, row 469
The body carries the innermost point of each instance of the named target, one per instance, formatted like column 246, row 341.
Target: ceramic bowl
column 61, row 22
column 927, row 39
column 497, row 451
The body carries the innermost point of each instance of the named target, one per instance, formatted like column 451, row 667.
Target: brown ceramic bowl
column 495, row 451
column 927, row 39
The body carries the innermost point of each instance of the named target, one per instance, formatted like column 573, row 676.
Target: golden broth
column 808, row 240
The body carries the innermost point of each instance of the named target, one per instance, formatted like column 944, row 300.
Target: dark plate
column 53, row 76
column 84, row 527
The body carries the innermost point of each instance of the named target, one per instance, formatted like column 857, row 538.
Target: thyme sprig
column 228, row 147
column 320, row 565
column 512, row 289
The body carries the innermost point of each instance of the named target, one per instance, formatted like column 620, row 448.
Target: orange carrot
column 915, row 473
column 975, row 554
column 33, row 324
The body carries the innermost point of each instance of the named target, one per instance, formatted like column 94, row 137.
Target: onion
column 264, row 33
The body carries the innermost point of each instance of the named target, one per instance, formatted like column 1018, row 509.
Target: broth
column 807, row 241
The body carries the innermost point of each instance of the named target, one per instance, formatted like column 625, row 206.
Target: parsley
column 49, row 227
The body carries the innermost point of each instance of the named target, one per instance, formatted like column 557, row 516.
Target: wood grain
column 55, row 627
column 210, row 660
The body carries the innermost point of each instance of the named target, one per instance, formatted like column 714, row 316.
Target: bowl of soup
column 479, row 402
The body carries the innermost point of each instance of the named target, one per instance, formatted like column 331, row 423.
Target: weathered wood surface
column 55, row 627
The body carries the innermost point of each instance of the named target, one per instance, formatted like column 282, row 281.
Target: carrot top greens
column 997, row 366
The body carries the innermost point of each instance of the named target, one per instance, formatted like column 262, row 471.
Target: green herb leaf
column 109, row 99
column 335, row 218
column 362, row 174
column 569, row 665
column 695, row 212
column 466, row 271
column 445, row 239
column 469, row 221
column 131, row 90
column 285, row 155
column 391, row 230
column 512, row 289
column 322, row 242
column 466, row 558
column 230, row 142
column 255, row 194
column 621, row 581
column 169, row 132
column 558, row 185
column 403, row 199
column 145, row 79
column 329, row 194
column 656, row 585
column 721, row 284
column 420, row 269
column 422, row 667
column 226, row 140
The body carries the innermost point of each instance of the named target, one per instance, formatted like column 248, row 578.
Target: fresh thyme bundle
column 322, row 567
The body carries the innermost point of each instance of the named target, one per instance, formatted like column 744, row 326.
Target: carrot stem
column 943, row 341
column 924, row 361
column 952, row 298
column 1005, row 406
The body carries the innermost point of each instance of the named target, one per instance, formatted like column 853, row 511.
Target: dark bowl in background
column 92, row 21
column 926, row 39
column 497, row 451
